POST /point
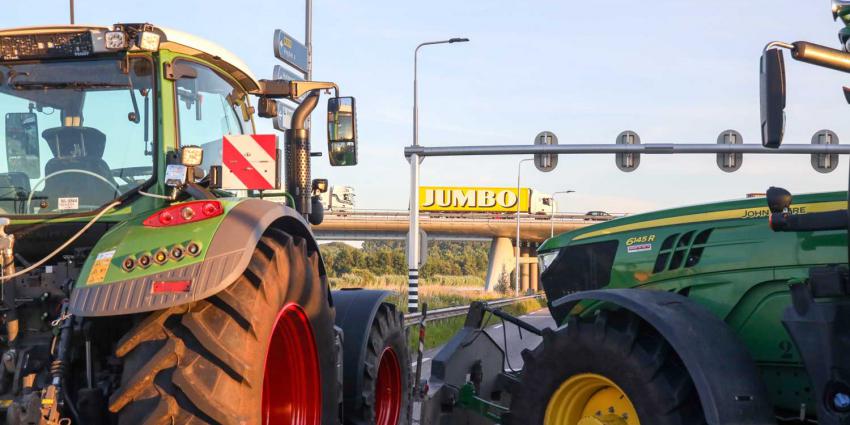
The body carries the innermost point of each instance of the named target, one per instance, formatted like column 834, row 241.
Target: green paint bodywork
column 131, row 238
column 468, row 399
column 742, row 274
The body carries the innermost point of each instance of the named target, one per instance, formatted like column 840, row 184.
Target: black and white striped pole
column 413, row 232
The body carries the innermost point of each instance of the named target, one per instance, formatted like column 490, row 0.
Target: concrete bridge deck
column 498, row 228
column 534, row 228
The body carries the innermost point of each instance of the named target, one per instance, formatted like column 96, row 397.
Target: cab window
column 580, row 268
column 209, row 107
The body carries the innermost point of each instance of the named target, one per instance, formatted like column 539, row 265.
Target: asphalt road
column 540, row 319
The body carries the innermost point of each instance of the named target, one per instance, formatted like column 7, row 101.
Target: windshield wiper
column 76, row 85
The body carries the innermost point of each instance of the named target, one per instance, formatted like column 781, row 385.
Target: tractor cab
column 97, row 114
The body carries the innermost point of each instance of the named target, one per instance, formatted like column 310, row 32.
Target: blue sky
column 674, row 71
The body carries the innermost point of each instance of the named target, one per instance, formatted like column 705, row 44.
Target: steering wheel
column 70, row 170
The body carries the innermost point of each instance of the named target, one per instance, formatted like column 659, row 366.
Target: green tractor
column 666, row 309
column 144, row 279
column 728, row 313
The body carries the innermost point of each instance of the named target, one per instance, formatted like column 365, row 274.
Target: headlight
column 545, row 259
column 148, row 41
column 116, row 40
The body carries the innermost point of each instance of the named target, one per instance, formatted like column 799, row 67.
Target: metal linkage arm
column 276, row 89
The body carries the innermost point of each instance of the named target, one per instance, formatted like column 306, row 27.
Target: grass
column 438, row 292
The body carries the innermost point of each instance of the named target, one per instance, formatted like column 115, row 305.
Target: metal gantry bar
column 648, row 149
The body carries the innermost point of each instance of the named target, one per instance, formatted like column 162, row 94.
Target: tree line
column 450, row 258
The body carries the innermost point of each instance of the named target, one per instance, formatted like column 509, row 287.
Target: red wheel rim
column 388, row 389
column 292, row 381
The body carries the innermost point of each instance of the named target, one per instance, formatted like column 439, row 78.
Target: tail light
column 188, row 212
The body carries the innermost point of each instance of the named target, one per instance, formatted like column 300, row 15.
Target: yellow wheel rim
column 590, row 399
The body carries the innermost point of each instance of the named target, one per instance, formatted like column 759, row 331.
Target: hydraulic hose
column 62, row 247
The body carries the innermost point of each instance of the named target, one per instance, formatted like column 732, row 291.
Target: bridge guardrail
column 478, row 216
column 444, row 313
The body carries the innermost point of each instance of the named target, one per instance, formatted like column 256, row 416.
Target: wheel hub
column 292, row 381
column 590, row 399
column 388, row 390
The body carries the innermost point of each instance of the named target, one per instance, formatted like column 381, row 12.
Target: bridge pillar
column 524, row 268
column 533, row 273
column 501, row 264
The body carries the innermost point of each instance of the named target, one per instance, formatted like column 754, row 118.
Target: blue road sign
column 290, row 50
column 281, row 73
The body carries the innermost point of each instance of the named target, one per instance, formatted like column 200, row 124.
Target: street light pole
column 308, row 38
column 518, row 204
column 552, row 215
column 413, row 232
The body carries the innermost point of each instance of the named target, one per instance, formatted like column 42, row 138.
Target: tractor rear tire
column 597, row 370
column 259, row 352
column 385, row 392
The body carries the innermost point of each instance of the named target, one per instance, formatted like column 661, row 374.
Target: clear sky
column 672, row 70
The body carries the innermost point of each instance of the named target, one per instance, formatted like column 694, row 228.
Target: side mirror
column 778, row 199
column 22, row 153
column 342, row 131
column 772, row 98
column 320, row 186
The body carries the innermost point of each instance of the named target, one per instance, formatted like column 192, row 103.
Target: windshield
column 76, row 134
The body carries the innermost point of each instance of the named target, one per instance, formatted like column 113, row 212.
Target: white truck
column 338, row 199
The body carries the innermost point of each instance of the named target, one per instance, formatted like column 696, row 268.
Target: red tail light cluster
column 188, row 212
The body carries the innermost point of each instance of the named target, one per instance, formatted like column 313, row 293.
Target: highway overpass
column 498, row 228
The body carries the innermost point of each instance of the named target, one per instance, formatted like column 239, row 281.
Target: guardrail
column 397, row 214
column 444, row 313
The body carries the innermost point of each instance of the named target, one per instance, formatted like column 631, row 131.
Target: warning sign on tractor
column 249, row 162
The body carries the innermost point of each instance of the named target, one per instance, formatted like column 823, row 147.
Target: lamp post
column 413, row 232
column 552, row 216
column 518, row 204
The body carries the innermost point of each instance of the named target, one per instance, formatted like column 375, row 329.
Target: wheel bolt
column 841, row 401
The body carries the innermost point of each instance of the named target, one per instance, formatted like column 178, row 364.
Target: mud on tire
column 202, row 363
column 620, row 347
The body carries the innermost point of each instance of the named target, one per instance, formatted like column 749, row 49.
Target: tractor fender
column 355, row 311
column 729, row 385
column 227, row 256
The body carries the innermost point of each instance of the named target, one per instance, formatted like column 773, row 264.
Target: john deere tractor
column 144, row 279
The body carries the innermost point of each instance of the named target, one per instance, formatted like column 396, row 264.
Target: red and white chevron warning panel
column 249, row 162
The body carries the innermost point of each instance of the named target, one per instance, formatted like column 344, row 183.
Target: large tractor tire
column 385, row 392
column 259, row 352
column 611, row 370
